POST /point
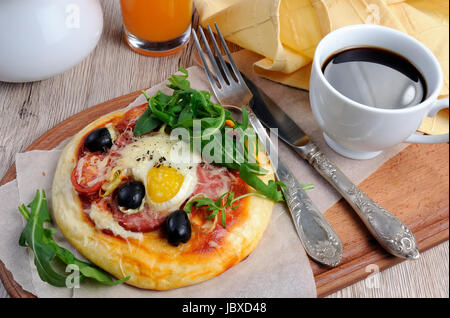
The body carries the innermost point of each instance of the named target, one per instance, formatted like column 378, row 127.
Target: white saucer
column 349, row 153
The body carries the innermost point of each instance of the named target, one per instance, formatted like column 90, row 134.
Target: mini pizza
column 134, row 209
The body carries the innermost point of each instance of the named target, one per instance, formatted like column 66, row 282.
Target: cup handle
column 427, row 139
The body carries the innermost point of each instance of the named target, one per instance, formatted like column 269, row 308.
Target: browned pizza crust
column 150, row 261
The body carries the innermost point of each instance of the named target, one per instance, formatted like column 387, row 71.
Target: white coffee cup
column 358, row 131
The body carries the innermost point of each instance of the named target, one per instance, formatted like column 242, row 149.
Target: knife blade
column 390, row 232
column 272, row 116
column 319, row 239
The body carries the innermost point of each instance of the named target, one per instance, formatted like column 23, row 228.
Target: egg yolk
column 163, row 183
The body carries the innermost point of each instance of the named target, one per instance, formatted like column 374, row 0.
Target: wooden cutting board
column 414, row 185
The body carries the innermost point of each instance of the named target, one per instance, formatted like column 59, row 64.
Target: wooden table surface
column 112, row 70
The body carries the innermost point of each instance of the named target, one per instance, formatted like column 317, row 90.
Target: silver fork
column 317, row 236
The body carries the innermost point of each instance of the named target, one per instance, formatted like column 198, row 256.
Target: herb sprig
column 225, row 202
column 187, row 105
column 40, row 239
column 220, row 205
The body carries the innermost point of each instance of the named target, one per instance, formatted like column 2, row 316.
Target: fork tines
column 221, row 71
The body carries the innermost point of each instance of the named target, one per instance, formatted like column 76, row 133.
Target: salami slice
column 143, row 221
column 212, row 181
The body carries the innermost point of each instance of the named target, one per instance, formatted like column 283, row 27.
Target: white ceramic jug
column 42, row 38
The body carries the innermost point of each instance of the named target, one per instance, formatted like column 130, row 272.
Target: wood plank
column 418, row 194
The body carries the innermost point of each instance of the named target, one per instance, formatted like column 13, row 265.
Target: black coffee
column 375, row 77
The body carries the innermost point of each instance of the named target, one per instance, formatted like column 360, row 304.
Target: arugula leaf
column 185, row 115
column 186, row 105
column 40, row 240
column 34, row 236
column 86, row 269
column 179, row 82
column 145, row 124
column 271, row 190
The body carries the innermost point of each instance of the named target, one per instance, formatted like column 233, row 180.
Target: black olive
column 131, row 195
column 98, row 140
column 177, row 227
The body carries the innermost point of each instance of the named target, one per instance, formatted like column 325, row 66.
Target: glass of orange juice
column 157, row 27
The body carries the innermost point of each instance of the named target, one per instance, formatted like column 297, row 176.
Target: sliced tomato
column 89, row 181
column 131, row 116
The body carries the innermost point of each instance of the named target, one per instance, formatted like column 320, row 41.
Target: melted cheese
column 80, row 165
column 103, row 169
column 103, row 220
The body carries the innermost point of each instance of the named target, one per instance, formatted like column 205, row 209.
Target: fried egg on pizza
column 134, row 207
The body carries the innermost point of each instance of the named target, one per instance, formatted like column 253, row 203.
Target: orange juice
column 157, row 20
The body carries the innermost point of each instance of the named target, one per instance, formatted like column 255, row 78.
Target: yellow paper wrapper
column 286, row 32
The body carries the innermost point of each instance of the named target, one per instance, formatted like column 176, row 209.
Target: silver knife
column 317, row 236
column 389, row 231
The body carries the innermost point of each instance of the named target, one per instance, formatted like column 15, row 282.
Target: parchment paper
column 278, row 267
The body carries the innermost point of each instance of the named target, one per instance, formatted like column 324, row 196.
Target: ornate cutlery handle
column 389, row 231
column 320, row 240
column 317, row 236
